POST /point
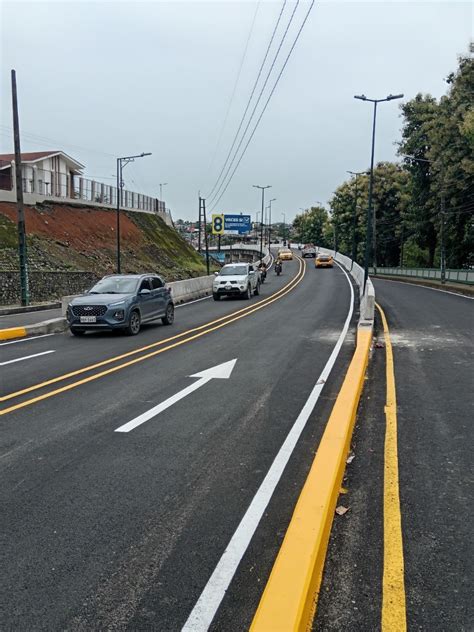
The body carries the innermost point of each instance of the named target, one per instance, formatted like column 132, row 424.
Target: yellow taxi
column 323, row 261
column 285, row 254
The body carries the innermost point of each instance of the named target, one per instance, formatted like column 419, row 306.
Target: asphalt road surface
column 115, row 530
column 432, row 338
column 28, row 318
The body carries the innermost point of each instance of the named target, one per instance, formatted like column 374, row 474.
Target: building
column 55, row 176
column 45, row 172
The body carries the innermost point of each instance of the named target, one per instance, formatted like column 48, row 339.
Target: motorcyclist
column 278, row 265
column 262, row 268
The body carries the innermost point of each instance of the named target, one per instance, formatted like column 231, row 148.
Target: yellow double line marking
column 202, row 330
column 393, row 584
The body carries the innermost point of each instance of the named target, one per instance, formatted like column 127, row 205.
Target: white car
column 236, row 279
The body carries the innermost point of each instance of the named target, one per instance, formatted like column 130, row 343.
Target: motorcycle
column 263, row 274
column 278, row 268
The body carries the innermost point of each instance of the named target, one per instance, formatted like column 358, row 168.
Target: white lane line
column 35, row 355
column 39, row 311
column 205, row 298
column 13, row 342
column 206, row 607
column 426, row 287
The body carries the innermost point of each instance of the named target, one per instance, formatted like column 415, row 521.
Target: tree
column 310, row 227
column 439, row 136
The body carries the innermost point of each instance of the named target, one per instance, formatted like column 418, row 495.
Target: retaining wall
column 44, row 285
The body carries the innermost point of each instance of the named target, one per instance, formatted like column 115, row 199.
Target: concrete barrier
column 189, row 289
column 366, row 295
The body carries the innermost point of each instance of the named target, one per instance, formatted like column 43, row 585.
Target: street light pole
column 284, row 226
column 162, row 184
column 368, row 238
column 270, row 222
column 257, row 186
column 121, row 163
column 354, row 214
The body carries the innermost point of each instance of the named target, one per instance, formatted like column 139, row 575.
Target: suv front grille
column 89, row 310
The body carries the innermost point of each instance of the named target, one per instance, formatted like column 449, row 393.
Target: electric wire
column 234, row 89
column 257, row 102
column 249, row 99
column 267, row 102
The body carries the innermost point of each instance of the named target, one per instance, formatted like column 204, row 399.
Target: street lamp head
column 391, row 97
column 362, row 97
column 145, row 154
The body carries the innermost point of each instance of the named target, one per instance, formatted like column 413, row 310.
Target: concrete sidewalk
column 28, row 318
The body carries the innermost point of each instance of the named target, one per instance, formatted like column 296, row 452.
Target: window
column 156, row 283
column 145, row 285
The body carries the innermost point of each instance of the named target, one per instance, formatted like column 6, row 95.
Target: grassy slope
column 153, row 246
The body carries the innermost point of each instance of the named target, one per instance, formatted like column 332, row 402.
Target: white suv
column 236, row 279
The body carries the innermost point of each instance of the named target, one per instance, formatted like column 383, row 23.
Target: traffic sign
column 218, row 224
column 237, row 224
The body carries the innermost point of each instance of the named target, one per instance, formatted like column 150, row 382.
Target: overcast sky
column 105, row 79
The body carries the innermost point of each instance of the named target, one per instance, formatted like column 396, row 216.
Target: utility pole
column 199, row 225
column 22, row 252
column 442, row 238
column 257, row 186
column 402, row 245
column 205, row 234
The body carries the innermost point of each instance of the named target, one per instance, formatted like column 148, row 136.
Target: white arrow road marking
column 221, row 371
column 35, row 355
column 211, row 597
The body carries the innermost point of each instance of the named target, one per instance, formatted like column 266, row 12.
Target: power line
column 257, row 102
column 31, row 137
column 234, row 88
column 249, row 99
column 267, row 102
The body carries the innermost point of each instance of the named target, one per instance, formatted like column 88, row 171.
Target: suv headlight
column 117, row 304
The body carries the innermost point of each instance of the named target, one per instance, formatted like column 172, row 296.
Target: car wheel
column 248, row 293
column 216, row 297
column 134, row 324
column 257, row 290
column 77, row 332
column 168, row 318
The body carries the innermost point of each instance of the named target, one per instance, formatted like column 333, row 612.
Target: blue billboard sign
column 237, row 224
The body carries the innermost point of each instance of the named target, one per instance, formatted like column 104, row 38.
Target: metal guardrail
column 453, row 276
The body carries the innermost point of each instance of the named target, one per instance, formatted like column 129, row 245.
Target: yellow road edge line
column 12, row 332
column 290, row 597
column 299, row 277
column 394, row 617
column 97, row 365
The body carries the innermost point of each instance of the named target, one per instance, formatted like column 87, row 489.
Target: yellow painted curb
column 290, row 597
column 13, row 332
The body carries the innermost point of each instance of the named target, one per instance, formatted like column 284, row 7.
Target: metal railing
column 75, row 187
column 453, row 276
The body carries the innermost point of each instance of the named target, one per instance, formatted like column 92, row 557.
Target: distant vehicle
column 121, row 301
column 309, row 251
column 323, row 261
column 236, row 279
column 285, row 254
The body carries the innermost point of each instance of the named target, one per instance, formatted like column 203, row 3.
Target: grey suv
column 121, row 301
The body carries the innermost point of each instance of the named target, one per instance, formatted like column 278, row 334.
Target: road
column 113, row 530
column 28, row 318
column 432, row 337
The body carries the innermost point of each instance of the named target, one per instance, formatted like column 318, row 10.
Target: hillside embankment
column 63, row 237
column 72, row 245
